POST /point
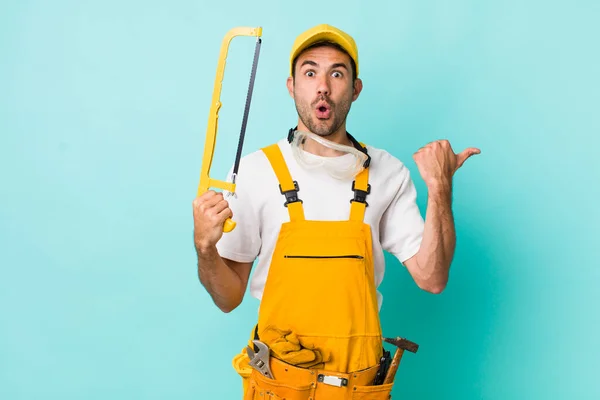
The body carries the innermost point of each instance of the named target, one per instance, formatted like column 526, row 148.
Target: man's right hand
column 210, row 212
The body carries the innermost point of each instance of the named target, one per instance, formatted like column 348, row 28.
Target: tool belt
column 293, row 383
column 267, row 377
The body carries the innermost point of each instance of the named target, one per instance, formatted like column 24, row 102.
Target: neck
column 339, row 136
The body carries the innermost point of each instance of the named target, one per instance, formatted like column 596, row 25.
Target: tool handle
column 389, row 378
column 229, row 225
column 205, row 183
column 384, row 364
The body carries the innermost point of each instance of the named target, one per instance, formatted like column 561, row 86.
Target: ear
column 358, row 86
column 290, row 86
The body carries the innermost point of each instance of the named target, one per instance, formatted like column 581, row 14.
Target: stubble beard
column 323, row 127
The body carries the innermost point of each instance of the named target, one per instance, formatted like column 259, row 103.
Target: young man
column 316, row 210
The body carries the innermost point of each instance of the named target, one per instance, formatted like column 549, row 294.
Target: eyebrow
column 314, row 64
column 308, row 62
column 338, row 65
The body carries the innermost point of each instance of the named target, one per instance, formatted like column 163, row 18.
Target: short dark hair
column 326, row 44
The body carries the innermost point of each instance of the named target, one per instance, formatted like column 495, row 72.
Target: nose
column 323, row 88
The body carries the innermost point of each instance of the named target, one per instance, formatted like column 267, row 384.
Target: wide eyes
column 335, row 74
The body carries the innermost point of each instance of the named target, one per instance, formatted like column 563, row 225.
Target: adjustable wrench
column 260, row 360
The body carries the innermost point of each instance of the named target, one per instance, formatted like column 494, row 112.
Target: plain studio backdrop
column 103, row 113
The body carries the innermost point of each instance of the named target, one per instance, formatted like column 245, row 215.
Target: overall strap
column 287, row 186
column 361, row 189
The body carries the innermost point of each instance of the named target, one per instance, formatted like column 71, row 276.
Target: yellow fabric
column 357, row 210
column 285, row 179
column 295, row 383
column 321, row 33
column 319, row 308
column 286, row 346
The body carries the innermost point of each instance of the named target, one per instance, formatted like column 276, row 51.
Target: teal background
column 103, row 111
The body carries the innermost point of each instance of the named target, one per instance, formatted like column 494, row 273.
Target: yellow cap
column 324, row 33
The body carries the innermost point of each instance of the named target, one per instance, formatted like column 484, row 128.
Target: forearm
column 223, row 284
column 439, row 239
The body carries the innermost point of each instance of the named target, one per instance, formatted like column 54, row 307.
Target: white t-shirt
column 258, row 210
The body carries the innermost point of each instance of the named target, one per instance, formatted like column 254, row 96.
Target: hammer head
column 403, row 344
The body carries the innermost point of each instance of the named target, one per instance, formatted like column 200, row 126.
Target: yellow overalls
column 319, row 313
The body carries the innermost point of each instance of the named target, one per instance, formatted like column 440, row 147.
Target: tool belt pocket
column 263, row 388
column 377, row 392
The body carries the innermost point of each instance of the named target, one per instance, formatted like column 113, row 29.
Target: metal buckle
column 332, row 380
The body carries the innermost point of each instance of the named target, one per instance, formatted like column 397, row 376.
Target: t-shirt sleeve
column 243, row 243
column 402, row 225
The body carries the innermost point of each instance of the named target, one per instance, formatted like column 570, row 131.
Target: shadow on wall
column 452, row 329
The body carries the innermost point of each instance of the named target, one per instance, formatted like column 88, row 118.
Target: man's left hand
column 437, row 162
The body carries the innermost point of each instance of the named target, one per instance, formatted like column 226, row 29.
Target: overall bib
column 319, row 313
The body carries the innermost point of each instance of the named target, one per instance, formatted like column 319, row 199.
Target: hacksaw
column 206, row 182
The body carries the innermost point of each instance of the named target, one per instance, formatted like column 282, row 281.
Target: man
column 317, row 209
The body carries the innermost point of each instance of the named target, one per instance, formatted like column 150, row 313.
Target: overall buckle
column 360, row 195
column 291, row 196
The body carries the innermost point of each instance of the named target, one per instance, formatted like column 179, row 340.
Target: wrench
column 260, row 360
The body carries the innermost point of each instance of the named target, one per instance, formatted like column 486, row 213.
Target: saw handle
column 229, row 225
column 206, row 183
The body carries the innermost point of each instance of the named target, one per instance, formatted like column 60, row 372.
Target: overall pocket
column 376, row 392
column 240, row 364
column 263, row 388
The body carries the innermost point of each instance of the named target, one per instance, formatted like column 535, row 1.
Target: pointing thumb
column 462, row 157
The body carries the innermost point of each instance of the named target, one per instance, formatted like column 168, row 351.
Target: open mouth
column 323, row 110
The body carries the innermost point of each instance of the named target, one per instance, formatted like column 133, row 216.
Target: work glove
column 285, row 345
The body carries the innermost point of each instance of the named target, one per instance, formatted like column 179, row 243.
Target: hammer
column 401, row 344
